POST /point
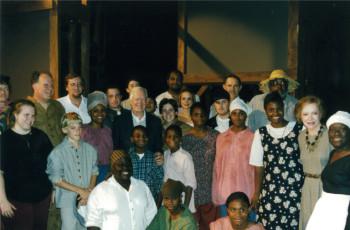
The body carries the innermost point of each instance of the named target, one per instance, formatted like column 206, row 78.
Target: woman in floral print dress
column 279, row 177
column 200, row 143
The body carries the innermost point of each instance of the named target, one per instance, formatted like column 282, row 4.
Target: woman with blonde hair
column 314, row 152
column 186, row 100
column 25, row 189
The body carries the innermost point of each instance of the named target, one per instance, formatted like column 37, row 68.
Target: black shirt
column 24, row 162
column 336, row 176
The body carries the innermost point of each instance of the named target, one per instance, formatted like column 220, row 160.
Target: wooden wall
column 249, row 38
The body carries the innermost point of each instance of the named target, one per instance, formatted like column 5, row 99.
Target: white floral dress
column 279, row 202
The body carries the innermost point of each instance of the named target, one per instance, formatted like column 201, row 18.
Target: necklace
column 312, row 145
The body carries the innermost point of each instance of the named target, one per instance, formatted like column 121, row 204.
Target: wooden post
column 54, row 49
column 293, row 36
column 181, row 38
column 85, row 48
column 72, row 42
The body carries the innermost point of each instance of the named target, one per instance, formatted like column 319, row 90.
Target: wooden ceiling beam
column 246, row 77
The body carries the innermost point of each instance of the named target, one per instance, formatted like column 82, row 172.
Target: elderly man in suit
column 137, row 116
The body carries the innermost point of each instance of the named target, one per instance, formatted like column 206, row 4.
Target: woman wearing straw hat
column 277, row 82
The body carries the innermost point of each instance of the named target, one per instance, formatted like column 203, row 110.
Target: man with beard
column 75, row 101
column 121, row 201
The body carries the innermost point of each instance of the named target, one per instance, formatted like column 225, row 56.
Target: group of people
column 98, row 162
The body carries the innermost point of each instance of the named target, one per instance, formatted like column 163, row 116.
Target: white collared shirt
column 111, row 207
column 179, row 166
column 81, row 110
column 222, row 124
column 136, row 121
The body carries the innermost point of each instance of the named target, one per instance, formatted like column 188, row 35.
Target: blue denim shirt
column 75, row 166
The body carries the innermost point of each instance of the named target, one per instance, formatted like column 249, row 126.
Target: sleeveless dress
column 331, row 210
column 279, row 202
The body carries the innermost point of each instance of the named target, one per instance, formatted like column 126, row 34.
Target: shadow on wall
column 202, row 52
column 244, row 36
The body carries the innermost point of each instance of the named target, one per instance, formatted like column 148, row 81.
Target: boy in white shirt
column 178, row 164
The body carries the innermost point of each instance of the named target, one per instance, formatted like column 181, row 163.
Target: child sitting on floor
column 237, row 205
column 173, row 215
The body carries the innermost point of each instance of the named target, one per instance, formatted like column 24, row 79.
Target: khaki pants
column 54, row 219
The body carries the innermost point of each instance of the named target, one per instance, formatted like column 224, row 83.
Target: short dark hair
column 141, row 128
column 199, row 106
column 232, row 75
column 111, row 87
column 165, row 101
column 237, row 196
column 177, row 73
column 71, row 76
column 36, row 75
column 132, row 77
column 177, row 130
column 273, row 97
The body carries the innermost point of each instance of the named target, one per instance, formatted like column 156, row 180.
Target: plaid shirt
column 147, row 170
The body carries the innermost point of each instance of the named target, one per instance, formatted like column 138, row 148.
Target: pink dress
column 224, row 224
column 232, row 172
column 101, row 140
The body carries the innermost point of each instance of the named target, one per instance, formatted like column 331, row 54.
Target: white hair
column 138, row 88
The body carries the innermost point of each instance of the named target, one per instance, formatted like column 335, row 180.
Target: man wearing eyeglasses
column 277, row 82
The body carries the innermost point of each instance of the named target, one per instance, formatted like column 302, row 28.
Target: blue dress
column 279, row 202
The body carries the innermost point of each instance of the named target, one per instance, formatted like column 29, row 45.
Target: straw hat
column 278, row 74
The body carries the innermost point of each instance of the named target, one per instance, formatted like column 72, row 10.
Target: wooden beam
column 247, row 77
column 54, row 50
column 181, row 41
column 26, row 6
column 293, row 36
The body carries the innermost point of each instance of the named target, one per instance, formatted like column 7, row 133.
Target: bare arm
column 82, row 192
column 6, row 207
column 201, row 90
column 258, row 173
column 188, row 195
column 92, row 182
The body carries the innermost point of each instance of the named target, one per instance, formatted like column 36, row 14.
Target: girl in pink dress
column 232, row 171
column 237, row 208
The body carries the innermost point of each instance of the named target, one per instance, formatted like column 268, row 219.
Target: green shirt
column 49, row 120
column 162, row 221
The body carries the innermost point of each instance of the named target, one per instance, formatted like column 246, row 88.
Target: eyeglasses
column 278, row 81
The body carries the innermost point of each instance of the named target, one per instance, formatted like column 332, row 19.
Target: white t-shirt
column 111, row 207
column 257, row 150
column 70, row 107
column 179, row 166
